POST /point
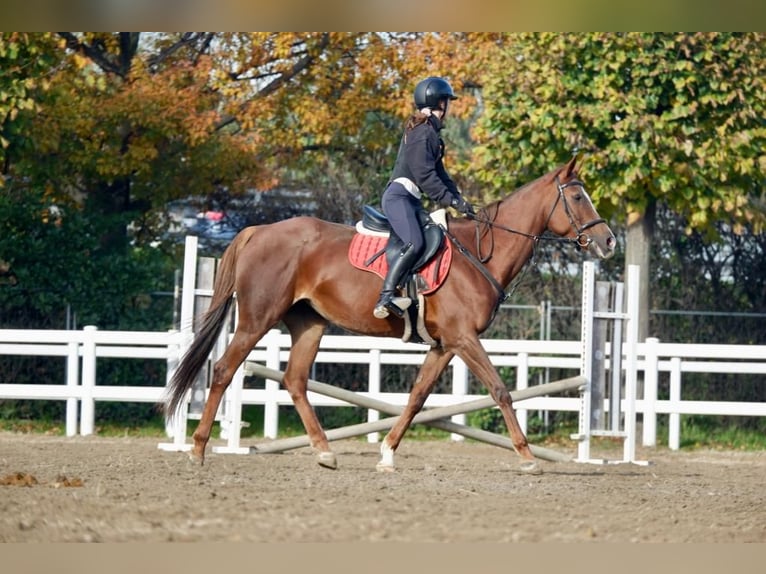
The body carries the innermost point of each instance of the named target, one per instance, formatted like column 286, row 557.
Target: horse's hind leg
column 435, row 362
column 306, row 329
column 223, row 371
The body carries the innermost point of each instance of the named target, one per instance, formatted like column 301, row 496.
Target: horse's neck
column 525, row 212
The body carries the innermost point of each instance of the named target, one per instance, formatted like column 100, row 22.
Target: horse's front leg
column 472, row 352
column 435, row 362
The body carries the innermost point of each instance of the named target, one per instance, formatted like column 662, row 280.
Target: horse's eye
column 577, row 196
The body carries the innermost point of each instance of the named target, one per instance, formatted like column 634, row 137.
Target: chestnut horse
column 297, row 271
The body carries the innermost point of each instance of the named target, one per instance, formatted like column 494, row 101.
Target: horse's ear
column 570, row 167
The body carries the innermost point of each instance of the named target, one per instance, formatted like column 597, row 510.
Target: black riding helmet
column 431, row 91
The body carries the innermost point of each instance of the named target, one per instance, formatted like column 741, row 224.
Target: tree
column 123, row 130
column 665, row 118
column 54, row 261
column 135, row 120
column 25, row 60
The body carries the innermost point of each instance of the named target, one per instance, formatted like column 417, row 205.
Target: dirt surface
column 56, row 489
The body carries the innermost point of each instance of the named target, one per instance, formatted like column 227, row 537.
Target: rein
column 501, row 294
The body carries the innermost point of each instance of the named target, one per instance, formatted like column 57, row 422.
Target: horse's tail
column 210, row 327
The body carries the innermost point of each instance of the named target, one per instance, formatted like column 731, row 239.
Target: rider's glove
column 459, row 203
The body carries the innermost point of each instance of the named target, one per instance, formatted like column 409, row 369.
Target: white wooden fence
column 82, row 390
column 81, row 351
column 677, row 359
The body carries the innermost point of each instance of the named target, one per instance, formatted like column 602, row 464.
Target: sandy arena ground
column 92, row 489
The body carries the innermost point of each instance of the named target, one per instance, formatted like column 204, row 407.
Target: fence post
column 459, row 387
column 650, row 391
column 72, row 382
column 674, row 419
column 189, row 284
column 87, row 404
column 373, row 386
column 175, row 426
column 232, row 422
column 522, row 382
column 586, row 366
column 631, row 364
column 271, row 405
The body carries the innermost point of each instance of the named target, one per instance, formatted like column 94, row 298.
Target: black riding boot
column 397, row 271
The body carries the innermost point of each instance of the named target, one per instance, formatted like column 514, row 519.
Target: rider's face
column 443, row 106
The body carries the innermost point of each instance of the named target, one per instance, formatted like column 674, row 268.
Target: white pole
column 72, row 376
column 522, row 382
column 175, row 426
column 674, row 422
column 650, row 392
column 631, row 367
column 586, row 371
column 271, row 406
column 459, row 387
column 188, row 288
column 373, row 386
column 87, row 406
column 189, row 284
column 430, row 416
column 234, row 416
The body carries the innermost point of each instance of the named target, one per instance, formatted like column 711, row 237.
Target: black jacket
column 420, row 159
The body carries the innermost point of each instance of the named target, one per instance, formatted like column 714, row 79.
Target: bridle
column 581, row 239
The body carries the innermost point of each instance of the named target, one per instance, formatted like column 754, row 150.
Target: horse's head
column 574, row 216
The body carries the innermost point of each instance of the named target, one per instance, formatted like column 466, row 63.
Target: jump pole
column 430, row 417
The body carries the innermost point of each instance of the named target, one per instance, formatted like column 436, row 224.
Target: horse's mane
column 520, row 191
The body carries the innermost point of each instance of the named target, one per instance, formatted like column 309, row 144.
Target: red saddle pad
column 363, row 247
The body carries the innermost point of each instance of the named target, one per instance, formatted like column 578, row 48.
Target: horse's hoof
column 327, row 460
column 197, row 458
column 530, row 467
column 385, row 467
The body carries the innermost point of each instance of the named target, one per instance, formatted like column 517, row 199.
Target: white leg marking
column 386, row 463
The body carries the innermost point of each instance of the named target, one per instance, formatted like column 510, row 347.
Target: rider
column 419, row 169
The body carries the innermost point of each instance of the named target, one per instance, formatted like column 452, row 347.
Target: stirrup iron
column 396, row 305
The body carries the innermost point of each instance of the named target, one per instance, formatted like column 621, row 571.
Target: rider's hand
column 462, row 206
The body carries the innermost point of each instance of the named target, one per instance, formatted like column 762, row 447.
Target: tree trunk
column 112, row 201
column 638, row 250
